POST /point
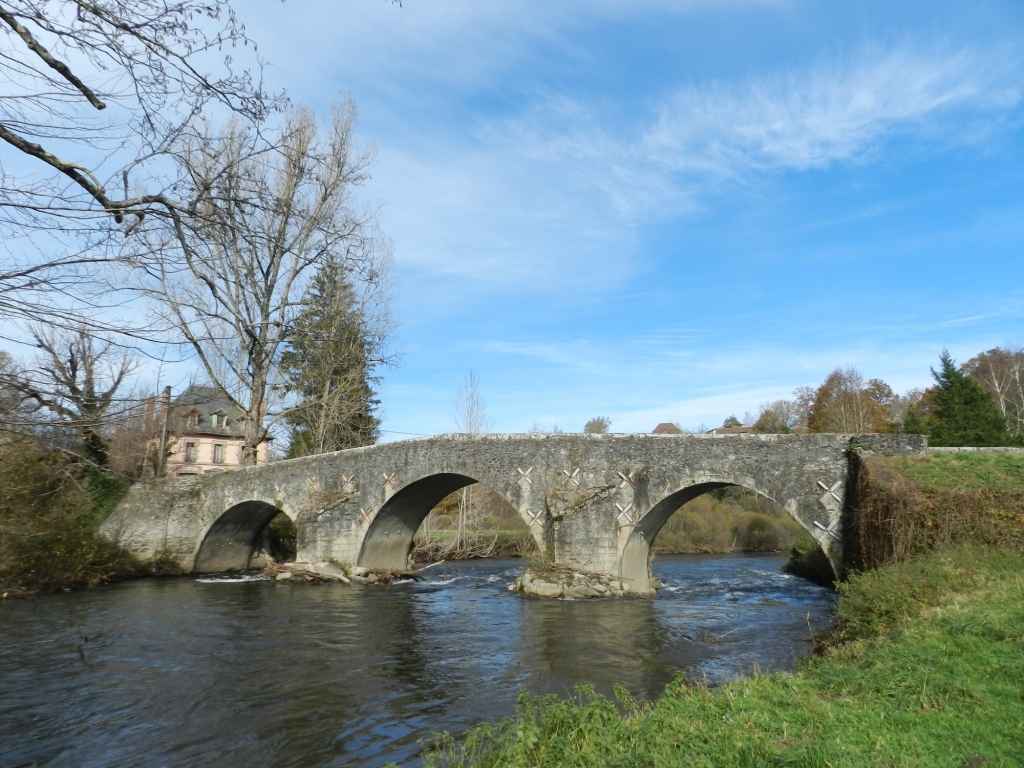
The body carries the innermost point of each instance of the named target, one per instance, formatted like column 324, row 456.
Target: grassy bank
column 51, row 507
column 924, row 669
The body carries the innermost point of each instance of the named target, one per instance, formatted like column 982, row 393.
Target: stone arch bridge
column 594, row 503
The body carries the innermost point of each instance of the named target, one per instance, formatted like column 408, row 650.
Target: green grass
column 929, row 672
column 964, row 471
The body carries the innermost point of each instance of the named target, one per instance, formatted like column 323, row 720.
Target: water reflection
column 176, row 672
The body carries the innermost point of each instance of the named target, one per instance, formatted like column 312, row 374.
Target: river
column 213, row 672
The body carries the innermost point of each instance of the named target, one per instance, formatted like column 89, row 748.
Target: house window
column 190, row 453
column 218, row 454
column 193, row 419
column 214, row 418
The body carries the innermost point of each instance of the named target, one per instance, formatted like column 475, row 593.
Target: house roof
column 206, row 401
column 730, row 431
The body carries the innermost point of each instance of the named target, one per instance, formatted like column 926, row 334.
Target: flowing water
column 243, row 671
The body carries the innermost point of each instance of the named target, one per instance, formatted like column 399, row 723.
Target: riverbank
column 51, row 507
column 446, row 544
column 922, row 669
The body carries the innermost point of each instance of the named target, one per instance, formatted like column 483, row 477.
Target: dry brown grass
column 898, row 515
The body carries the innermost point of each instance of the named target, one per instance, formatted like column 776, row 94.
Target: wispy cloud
column 840, row 109
column 561, row 183
column 837, row 110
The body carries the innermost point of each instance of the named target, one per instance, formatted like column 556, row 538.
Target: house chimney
column 165, row 408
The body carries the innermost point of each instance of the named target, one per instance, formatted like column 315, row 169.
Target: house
column 206, row 433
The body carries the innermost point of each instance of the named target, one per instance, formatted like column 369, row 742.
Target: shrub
column 808, row 561
column 906, row 507
column 50, row 509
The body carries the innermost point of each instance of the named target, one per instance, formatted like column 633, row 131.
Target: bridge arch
column 230, row 542
column 389, row 538
column 635, row 561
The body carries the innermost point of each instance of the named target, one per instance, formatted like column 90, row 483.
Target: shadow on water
column 252, row 673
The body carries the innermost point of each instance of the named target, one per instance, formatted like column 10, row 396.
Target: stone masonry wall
column 593, row 502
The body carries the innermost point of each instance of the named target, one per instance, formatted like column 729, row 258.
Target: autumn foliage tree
column 846, row 403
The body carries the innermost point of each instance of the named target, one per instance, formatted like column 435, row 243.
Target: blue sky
column 661, row 210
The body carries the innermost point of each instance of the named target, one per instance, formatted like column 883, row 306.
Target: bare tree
column 597, row 426
column 470, row 419
column 1000, row 372
column 470, row 411
column 76, row 380
column 232, row 284
column 97, row 94
column 803, row 404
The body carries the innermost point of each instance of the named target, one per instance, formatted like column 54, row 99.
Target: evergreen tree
column 329, row 366
column 917, row 421
column 962, row 412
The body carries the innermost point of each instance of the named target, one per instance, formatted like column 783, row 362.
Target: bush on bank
column 924, row 670
column 906, row 506
column 51, row 506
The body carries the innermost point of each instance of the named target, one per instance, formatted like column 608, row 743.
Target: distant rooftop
column 741, row 430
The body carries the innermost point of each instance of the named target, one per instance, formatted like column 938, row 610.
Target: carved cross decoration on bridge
column 837, row 486
column 364, row 516
column 535, row 517
column 832, row 501
column 573, row 477
column 627, row 514
column 349, row 485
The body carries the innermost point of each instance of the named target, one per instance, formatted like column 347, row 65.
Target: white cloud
column 529, row 201
column 835, row 111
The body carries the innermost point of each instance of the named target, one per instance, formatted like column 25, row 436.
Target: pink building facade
column 206, row 434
